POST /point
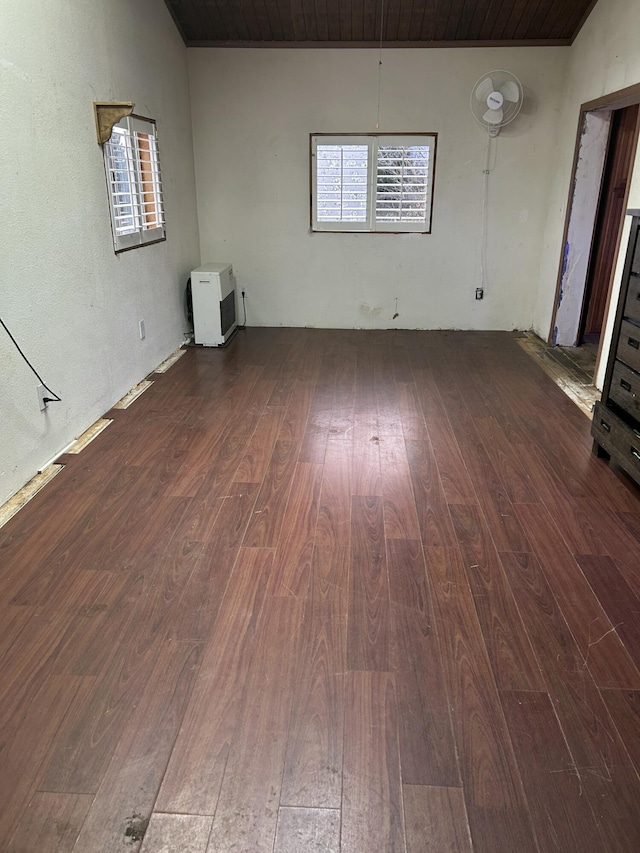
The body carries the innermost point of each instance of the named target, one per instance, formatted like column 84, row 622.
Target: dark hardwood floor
column 351, row 591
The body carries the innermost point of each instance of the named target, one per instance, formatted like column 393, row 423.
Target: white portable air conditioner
column 213, row 293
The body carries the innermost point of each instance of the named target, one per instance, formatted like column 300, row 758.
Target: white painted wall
column 74, row 305
column 604, row 58
column 253, row 111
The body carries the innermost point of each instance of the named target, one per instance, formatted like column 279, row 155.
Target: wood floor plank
column 510, row 653
column 316, row 434
column 201, row 599
column 433, row 514
column 73, row 590
column 608, row 660
column 26, row 665
column 94, row 726
column 294, row 551
column 620, row 603
column 372, row 814
column 265, row 524
column 426, row 742
column 51, row 823
column 192, row 781
column 400, row 518
column 168, row 832
column 24, row 751
column 615, row 538
column 493, row 790
column 435, row 819
column 507, row 460
column 313, row 767
column 334, row 511
column 94, row 632
column 247, row 810
column 128, row 790
column 13, row 618
column 365, row 474
column 228, row 455
column 298, row 406
column 414, row 427
column 454, row 475
column 560, row 813
column 428, row 394
column 498, row 510
column 253, row 465
column 578, row 530
column 606, row 772
column 368, row 624
column 624, row 708
column 311, row 830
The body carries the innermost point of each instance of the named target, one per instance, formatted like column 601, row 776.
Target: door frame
column 588, row 111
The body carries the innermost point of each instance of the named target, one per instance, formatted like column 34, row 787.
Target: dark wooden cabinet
column 616, row 419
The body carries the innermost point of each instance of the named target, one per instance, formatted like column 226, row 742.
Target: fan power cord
column 52, row 399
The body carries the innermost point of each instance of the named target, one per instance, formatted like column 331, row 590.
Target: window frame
column 373, row 142
column 141, row 172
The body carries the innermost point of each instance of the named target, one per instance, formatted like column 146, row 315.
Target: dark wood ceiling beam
column 494, row 20
column 263, row 19
column 466, row 18
column 342, row 23
column 417, row 19
column 429, row 19
column 368, row 45
column 309, row 16
column 345, row 22
column 392, row 19
column 524, row 23
column 333, row 17
column 225, row 11
column 322, row 20
column 273, row 13
column 513, row 18
column 554, row 19
column 372, row 21
column 285, row 13
column 536, row 28
column 404, row 20
column 357, row 20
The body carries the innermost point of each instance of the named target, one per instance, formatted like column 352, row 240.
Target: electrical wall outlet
column 142, row 330
column 479, row 293
column 42, row 393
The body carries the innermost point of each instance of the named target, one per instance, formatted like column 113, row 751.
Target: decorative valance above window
column 109, row 113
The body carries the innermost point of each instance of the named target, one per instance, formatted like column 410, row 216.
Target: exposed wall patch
column 29, row 490
column 132, row 395
column 166, row 364
column 88, row 435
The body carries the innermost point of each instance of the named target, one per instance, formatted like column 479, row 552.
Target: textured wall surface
column 73, row 305
column 253, row 111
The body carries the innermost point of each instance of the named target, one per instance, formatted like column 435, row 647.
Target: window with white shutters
column 135, row 187
column 372, row 182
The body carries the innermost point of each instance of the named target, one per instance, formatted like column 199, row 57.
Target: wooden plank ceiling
column 357, row 23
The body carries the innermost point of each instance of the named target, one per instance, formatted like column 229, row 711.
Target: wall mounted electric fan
column 496, row 100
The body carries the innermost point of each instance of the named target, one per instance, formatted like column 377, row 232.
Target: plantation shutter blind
column 370, row 182
column 135, row 185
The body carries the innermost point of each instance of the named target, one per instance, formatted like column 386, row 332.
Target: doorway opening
column 603, row 163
